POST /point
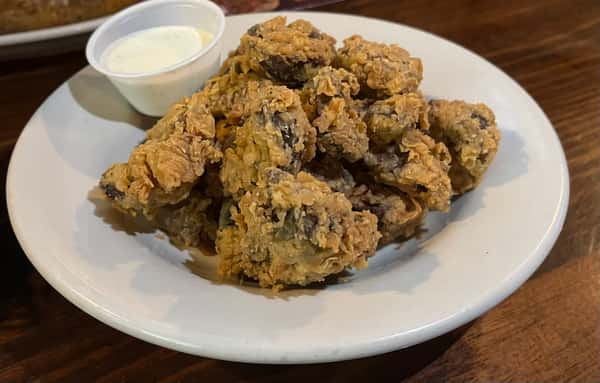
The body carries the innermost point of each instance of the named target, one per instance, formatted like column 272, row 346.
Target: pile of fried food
column 297, row 160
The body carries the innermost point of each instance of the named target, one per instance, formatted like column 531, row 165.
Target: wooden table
column 548, row 331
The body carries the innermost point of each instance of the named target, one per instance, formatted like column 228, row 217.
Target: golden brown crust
column 294, row 231
column 388, row 119
column 191, row 116
column 382, row 70
column 327, row 99
column 288, row 54
column 276, row 134
column 341, row 132
column 227, row 95
column 470, row 133
column 399, row 216
column 158, row 173
column 333, row 172
column 163, row 169
column 190, row 222
column 416, row 165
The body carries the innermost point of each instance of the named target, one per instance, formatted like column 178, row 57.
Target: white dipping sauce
column 154, row 49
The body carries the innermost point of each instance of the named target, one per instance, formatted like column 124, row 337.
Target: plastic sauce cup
column 154, row 92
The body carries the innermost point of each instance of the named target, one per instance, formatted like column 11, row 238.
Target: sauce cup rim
column 127, row 12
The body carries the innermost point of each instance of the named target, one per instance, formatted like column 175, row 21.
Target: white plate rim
column 387, row 344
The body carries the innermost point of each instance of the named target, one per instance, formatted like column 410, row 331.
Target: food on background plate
column 26, row 15
column 296, row 160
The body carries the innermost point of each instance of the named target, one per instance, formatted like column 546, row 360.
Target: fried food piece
column 162, row 170
column 416, row 165
column 228, row 94
column 361, row 106
column 277, row 134
column 293, row 230
column 388, row 119
column 189, row 117
column 341, row 132
column 382, row 70
column 288, row 54
column 333, row 173
column 470, row 133
column 327, row 98
column 327, row 84
column 399, row 216
column 158, row 173
column 192, row 221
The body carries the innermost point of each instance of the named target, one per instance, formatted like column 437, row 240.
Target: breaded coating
column 227, row 95
column 416, row 165
column 190, row 117
column 333, row 173
column 163, row 169
column 190, row 222
column 382, row 70
column 361, row 106
column 470, row 133
column 341, row 132
column 327, row 84
column 327, row 98
column 277, row 134
column 388, row 119
column 287, row 54
column 399, row 216
column 293, row 231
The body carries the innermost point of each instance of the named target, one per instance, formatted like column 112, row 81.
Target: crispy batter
column 399, row 216
column 325, row 85
column 361, row 106
column 188, row 117
column 388, row 119
column 293, row 231
column 277, row 134
column 192, row 221
column 470, row 133
column 382, row 70
column 332, row 172
column 288, row 54
column 228, row 94
column 158, row 173
column 327, row 99
column 416, row 165
column 341, row 132
column 163, row 169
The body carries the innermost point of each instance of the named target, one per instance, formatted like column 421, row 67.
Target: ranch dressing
column 153, row 49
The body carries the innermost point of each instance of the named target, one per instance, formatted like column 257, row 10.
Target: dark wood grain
column 548, row 331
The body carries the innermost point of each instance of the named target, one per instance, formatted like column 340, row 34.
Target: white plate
column 475, row 256
column 47, row 41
